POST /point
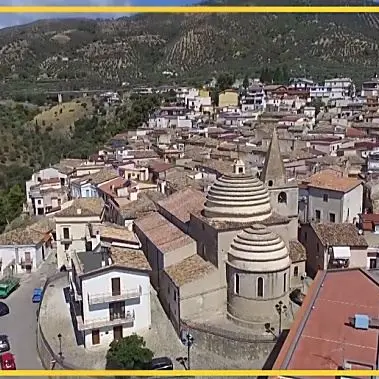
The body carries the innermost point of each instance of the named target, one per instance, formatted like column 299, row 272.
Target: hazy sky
column 17, row 18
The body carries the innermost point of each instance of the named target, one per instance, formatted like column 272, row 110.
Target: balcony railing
column 128, row 318
column 108, row 297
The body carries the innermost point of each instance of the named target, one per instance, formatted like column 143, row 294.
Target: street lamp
column 60, row 346
column 187, row 340
column 281, row 309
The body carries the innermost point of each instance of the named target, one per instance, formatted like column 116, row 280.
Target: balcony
column 126, row 318
column 108, row 297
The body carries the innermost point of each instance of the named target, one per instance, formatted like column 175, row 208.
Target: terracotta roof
column 83, row 207
column 164, row 235
column 333, row 181
column 129, row 258
column 189, row 269
column 31, row 235
column 103, row 175
column 318, row 341
column 107, row 187
column 145, row 203
column 297, row 251
column 184, row 202
column 114, row 232
column 339, row 234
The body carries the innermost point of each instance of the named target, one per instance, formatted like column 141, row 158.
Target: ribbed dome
column 259, row 249
column 240, row 198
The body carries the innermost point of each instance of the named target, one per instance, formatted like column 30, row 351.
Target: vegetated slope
column 141, row 47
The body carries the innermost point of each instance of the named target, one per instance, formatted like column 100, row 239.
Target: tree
column 245, row 83
column 129, row 353
column 224, row 81
column 277, row 77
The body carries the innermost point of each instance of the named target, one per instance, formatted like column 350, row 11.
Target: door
column 117, row 332
column 28, row 262
column 116, row 287
column 95, row 337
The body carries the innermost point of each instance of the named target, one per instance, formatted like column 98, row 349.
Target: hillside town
column 241, row 233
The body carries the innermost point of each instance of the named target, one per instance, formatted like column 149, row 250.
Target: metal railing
column 108, row 297
column 129, row 317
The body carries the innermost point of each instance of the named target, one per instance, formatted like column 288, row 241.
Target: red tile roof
column 321, row 337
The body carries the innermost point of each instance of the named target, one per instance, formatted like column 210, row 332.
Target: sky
column 19, row 19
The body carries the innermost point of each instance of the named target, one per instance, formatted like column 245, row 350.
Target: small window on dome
column 236, row 284
column 282, row 198
column 240, row 170
column 270, row 183
column 260, row 283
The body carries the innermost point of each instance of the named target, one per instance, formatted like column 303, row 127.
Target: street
column 21, row 323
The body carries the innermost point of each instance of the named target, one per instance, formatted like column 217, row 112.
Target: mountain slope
column 139, row 48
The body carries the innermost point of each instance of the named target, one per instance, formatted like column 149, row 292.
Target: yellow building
column 203, row 93
column 228, row 98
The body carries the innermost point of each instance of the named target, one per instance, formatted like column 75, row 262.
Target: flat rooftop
column 321, row 337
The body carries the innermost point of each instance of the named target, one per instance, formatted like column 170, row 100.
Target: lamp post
column 280, row 308
column 60, row 346
column 187, row 340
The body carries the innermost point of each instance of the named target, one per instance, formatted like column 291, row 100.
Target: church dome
column 239, row 198
column 258, row 249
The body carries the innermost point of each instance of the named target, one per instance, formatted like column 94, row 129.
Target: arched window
column 282, row 198
column 270, row 183
column 236, row 284
column 260, row 287
column 296, row 271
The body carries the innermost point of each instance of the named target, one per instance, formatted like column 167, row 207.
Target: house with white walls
column 86, row 186
column 22, row 250
column 71, row 224
column 110, row 294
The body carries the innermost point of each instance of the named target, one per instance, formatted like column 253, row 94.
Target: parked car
column 7, row 362
column 161, row 363
column 4, row 343
column 4, row 309
column 37, row 295
column 7, row 286
column 297, row 296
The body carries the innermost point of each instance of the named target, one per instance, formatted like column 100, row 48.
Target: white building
column 328, row 196
column 71, row 225
column 23, row 250
column 110, row 294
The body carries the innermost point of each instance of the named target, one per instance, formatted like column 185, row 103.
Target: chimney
column 79, row 211
column 103, row 259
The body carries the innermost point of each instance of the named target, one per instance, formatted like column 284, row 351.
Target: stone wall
column 230, row 344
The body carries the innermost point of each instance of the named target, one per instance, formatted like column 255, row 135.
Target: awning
column 341, row 252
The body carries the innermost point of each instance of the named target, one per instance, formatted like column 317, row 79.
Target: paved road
column 21, row 323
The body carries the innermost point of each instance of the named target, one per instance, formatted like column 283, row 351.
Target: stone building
column 236, row 264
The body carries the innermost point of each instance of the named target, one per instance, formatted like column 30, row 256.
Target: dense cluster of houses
column 168, row 206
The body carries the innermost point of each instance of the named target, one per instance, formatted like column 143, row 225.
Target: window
column 168, row 289
column 39, row 202
column 66, row 246
column 174, row 295
column 296, row 271
column 326, row 198
column 260, row 287
column 332, row 217
column 270, row 183
column 240, row 170
column 282, row 198
column 373, row 263
column 285, row 282
column 318, row 215
column 318, row 247
column 236, row 284
column 116, row 286
column 305, row 236
column 66, row 233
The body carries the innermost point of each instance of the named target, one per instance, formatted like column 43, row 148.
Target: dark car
column 297, row 296
column 4, row 344
column 161, row 363
column 4, row 310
